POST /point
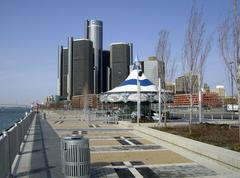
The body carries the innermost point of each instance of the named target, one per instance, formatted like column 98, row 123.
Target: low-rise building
column 183, row 84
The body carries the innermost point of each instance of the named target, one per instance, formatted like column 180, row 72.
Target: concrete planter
column 223, row 155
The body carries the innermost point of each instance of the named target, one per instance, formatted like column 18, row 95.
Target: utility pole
column 231, row 72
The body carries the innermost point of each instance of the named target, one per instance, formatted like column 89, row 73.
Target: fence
column 10, row 143
column 205, row 116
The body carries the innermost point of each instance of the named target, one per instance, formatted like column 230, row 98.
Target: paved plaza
column 115, row 152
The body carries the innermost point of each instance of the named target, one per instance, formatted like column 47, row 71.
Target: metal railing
column 10, row 143
column 205, row 116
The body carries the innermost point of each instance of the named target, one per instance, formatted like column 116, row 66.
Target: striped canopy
column 130, row 84
column 127, row 90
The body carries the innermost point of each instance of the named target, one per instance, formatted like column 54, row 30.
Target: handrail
column 10, row 143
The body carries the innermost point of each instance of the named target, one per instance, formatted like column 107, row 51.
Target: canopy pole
column 138, row 98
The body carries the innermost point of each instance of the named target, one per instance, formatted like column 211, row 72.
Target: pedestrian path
column 39, row 157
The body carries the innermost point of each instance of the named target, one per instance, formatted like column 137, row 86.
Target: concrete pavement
column 115, row 152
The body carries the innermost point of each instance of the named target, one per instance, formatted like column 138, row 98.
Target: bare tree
column 163, row 53
column 195, row 51
column 229, row 46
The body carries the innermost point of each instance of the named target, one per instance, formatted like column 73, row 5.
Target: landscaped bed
column 219, row 135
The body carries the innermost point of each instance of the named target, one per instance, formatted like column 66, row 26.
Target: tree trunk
column 165, row 114
column 238, row 91
column 199, row 98
column 190, row 114
column 191, row 105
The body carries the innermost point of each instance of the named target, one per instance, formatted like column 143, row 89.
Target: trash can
column 75, row 154
column 44, row 116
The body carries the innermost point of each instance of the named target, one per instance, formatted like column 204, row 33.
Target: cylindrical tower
column 94, row 32
column 69, row 76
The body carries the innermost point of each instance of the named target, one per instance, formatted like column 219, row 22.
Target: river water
column 9, row 115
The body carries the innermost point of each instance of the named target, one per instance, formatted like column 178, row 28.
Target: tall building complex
column 153, row 69
column 94, row 32
column 85, row 67
column 80, row 76
column 62, row 71
column 119, row 62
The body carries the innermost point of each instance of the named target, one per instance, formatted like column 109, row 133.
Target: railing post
column 9, row 175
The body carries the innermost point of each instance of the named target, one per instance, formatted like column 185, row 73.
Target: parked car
column 231, row 108
column 134, row 115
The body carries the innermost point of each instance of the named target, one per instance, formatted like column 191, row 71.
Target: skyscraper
column 153, row 69
column 105, row 75
column 94, row 32
column 80, row 67
column 119, row 62
column 62, row 71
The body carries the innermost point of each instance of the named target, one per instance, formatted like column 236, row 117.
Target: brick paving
column 147, row 157
column 100, row 142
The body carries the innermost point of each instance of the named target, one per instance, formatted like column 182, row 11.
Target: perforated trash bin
column 75, row 155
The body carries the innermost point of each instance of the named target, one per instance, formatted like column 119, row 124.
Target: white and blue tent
column 127, row 90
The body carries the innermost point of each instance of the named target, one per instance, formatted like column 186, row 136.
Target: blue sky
column 31, row 30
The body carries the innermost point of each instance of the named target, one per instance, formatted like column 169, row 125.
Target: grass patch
column 220, row 135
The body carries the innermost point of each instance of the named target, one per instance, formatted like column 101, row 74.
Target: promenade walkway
column 40, row 156
column 115, row 152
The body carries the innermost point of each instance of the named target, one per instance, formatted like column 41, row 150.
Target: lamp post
column 159, row 101
column 231, row 63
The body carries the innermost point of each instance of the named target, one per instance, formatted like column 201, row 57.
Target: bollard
column 232, row 116
column 221, row 117
column 212, row 117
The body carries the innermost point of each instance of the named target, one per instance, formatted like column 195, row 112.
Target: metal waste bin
column 75, row 155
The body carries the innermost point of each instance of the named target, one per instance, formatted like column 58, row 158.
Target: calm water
column 9, row 115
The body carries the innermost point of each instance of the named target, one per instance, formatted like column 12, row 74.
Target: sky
column 31, row 31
